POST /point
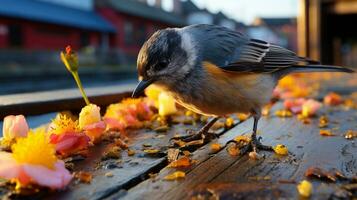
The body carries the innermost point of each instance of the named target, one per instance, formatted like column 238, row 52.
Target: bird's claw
column 203, row 137
column 253, row 145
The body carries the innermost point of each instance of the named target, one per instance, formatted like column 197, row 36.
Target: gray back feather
column 216, row 44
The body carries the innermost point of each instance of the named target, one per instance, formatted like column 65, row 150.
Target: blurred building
column 195, row 15
column 134, row 22
column 327, row 31
column 281, row 31
column 39, row 25
column 109, row 32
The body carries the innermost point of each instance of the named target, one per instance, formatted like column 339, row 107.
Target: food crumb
column 229, row 122
column 281, row 149
column 332, row 99
column 350, row 134
column 304, row 188
column 242, row 138
column 323, row 121
column 174, row 176
column 233, row 150
column 326, row 132
column 181, row 162
column 109, row 174
column 242, row 116
column 131, row 152
column 84, row 177
column 254, row 155
column 151, row 151
column 215, row 147
column 283, row 113
column 112, row 153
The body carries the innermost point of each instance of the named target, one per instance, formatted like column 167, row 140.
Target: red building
column 134, row 22
column 36, row 25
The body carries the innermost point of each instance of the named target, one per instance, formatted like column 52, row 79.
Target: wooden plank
column 307, row 148
column 43, row 102
column 126, row 171
column 129, row 170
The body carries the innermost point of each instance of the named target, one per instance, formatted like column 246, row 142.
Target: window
column 15, row 35
column 140, row 34
column 134, row 34
column 128, row 33
column 85, row 39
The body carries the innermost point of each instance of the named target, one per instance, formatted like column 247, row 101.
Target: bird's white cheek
column 188, row 45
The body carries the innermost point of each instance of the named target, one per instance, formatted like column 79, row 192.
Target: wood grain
column 307, row 148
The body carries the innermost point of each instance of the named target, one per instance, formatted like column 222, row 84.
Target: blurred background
column 108, row 34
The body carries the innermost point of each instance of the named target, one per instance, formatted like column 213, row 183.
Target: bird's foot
column 251, row 145
column 195, row 137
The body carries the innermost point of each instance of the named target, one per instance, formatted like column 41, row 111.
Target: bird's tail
column 312, row 68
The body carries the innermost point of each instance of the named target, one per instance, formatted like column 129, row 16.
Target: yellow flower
column 89, row 114
column 70, row 59
column 304, row 188
column 63, row 124
column 281, row 149
column 35, row 149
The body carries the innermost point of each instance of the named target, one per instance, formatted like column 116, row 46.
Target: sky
column 246, row 10
column 241, row 10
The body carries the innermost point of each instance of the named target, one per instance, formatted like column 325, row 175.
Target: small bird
column 215, row 71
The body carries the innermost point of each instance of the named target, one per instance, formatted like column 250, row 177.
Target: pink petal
column 99, row 125
column 277, row 93
column 130, row 120
column 294, row 105
column 311, row 106
column 20, row 126
column 296, row 109
column 8, row 167
column 56, row 179
column 65, row 144
column 69, row 142
column 114, row 124
column 95, row 130
column 15, row 126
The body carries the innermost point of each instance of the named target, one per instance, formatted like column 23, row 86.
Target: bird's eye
column 161, row 65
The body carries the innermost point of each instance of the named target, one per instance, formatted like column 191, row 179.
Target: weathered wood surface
column 219, row 175
column 227, row 177
column 126, row 171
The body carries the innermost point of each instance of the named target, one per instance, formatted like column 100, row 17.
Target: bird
column 216, row 71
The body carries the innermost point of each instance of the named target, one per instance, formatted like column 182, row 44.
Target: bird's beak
column 141, row 87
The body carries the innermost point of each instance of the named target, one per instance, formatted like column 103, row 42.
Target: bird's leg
column 254, row 144
column 203, row 133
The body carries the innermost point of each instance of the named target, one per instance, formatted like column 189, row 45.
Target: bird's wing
column 262, row 57
column 234, row 51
